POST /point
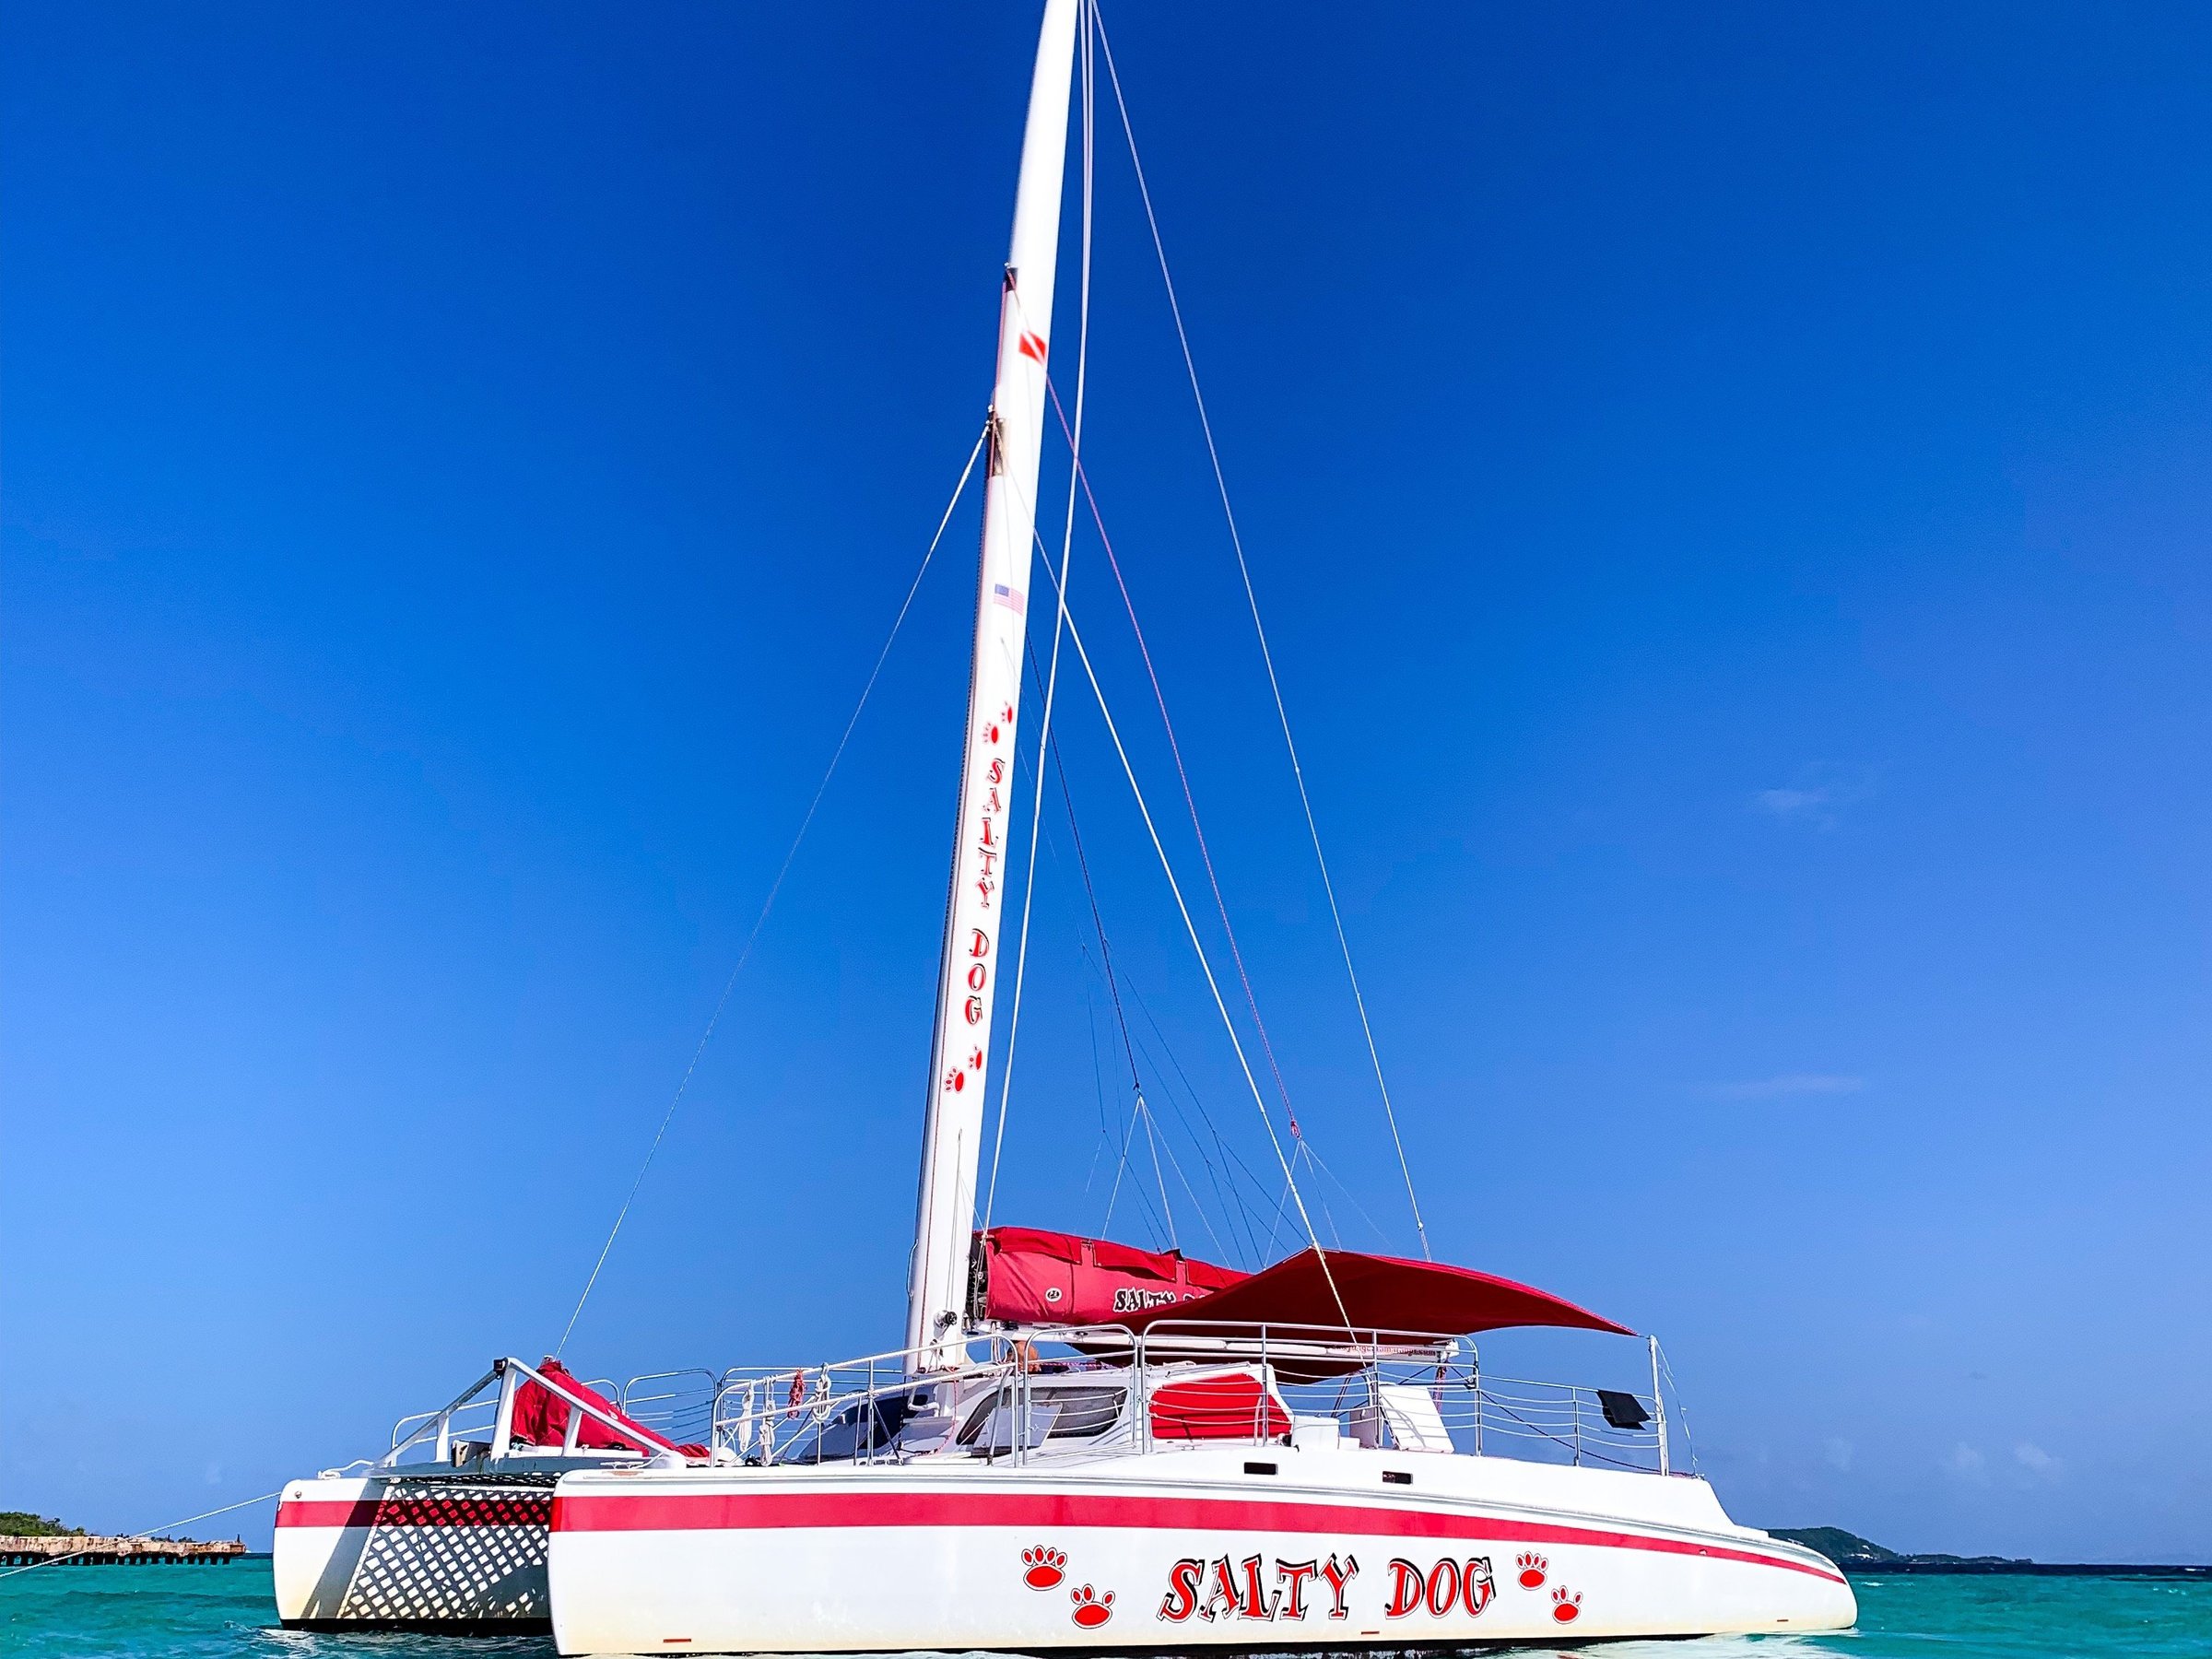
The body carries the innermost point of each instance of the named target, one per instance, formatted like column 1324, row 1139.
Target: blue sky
column 1728, row 491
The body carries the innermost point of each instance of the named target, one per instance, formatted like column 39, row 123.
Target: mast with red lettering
column 968, row 970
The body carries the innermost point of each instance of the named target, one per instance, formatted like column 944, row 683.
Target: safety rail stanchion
column 1144, row 1393
column 502, row 1426
column 1475, row 1372
column 1259, row 1407
column 720, row 1437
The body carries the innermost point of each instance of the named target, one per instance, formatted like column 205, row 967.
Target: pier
column 75, row 1549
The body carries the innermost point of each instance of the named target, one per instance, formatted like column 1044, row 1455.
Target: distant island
column 1854, row 1554
column 1848, row 1549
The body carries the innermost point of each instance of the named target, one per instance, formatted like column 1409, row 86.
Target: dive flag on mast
column 1012, row 599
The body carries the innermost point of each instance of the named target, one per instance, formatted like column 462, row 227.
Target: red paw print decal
column 1531, row 1570
column 1043, row 1567
column 1565, row 1607
column 1091, row 1608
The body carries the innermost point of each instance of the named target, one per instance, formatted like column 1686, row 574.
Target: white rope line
column 1267, row 656
column 1206, row 967
column 148, row 1531
column 1051, row 679
column 775, row 887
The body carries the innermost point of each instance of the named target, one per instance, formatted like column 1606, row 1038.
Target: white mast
column 960, row 1059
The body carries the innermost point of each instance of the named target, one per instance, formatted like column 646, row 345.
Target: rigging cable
column 1051, row 743
column 1231, row 1201
column 1232, row 1161
column 1189, row 800
column 1267, row 656
column 1141, row 1109
column 775, row 887
column 1097, row 1084
column 1681, row 1410
column 1120, row 1168
column 1350, row 1197
column 1182, row 1175
column 1206, row 967
column 1191, row 804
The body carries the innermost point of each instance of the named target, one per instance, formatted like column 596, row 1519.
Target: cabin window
column 1055, row 1413
column 1087, row 1413
column 857, row 1429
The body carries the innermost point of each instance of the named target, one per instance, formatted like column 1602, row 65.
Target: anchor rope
column 148, row 1531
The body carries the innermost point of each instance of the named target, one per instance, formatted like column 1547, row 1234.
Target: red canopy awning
column 1376, row 1294
column 1037, row 1277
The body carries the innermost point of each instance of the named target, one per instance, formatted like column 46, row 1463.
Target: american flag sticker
column 1009, row 597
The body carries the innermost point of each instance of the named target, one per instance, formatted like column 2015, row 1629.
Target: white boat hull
column 1169, row 1550
column 450, row 1554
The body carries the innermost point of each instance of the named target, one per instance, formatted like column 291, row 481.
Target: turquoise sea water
column 225, row 1612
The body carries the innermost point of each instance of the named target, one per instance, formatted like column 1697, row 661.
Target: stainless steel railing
column 1090, row 1387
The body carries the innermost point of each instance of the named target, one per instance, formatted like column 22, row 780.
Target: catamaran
column 1081, row 1445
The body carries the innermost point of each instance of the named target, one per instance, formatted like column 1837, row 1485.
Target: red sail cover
column 541, row 1418
column 1379, row 1294
column 1037, row 1277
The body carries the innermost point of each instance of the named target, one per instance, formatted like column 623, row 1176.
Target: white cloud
column 1967, row 1463
column 2036, row 1461
column 1787, row 1085
column 1793, row 803
column 1817, row 796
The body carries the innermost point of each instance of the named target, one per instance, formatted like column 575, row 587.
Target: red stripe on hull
column 748, row 1510
column 414, row 1511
